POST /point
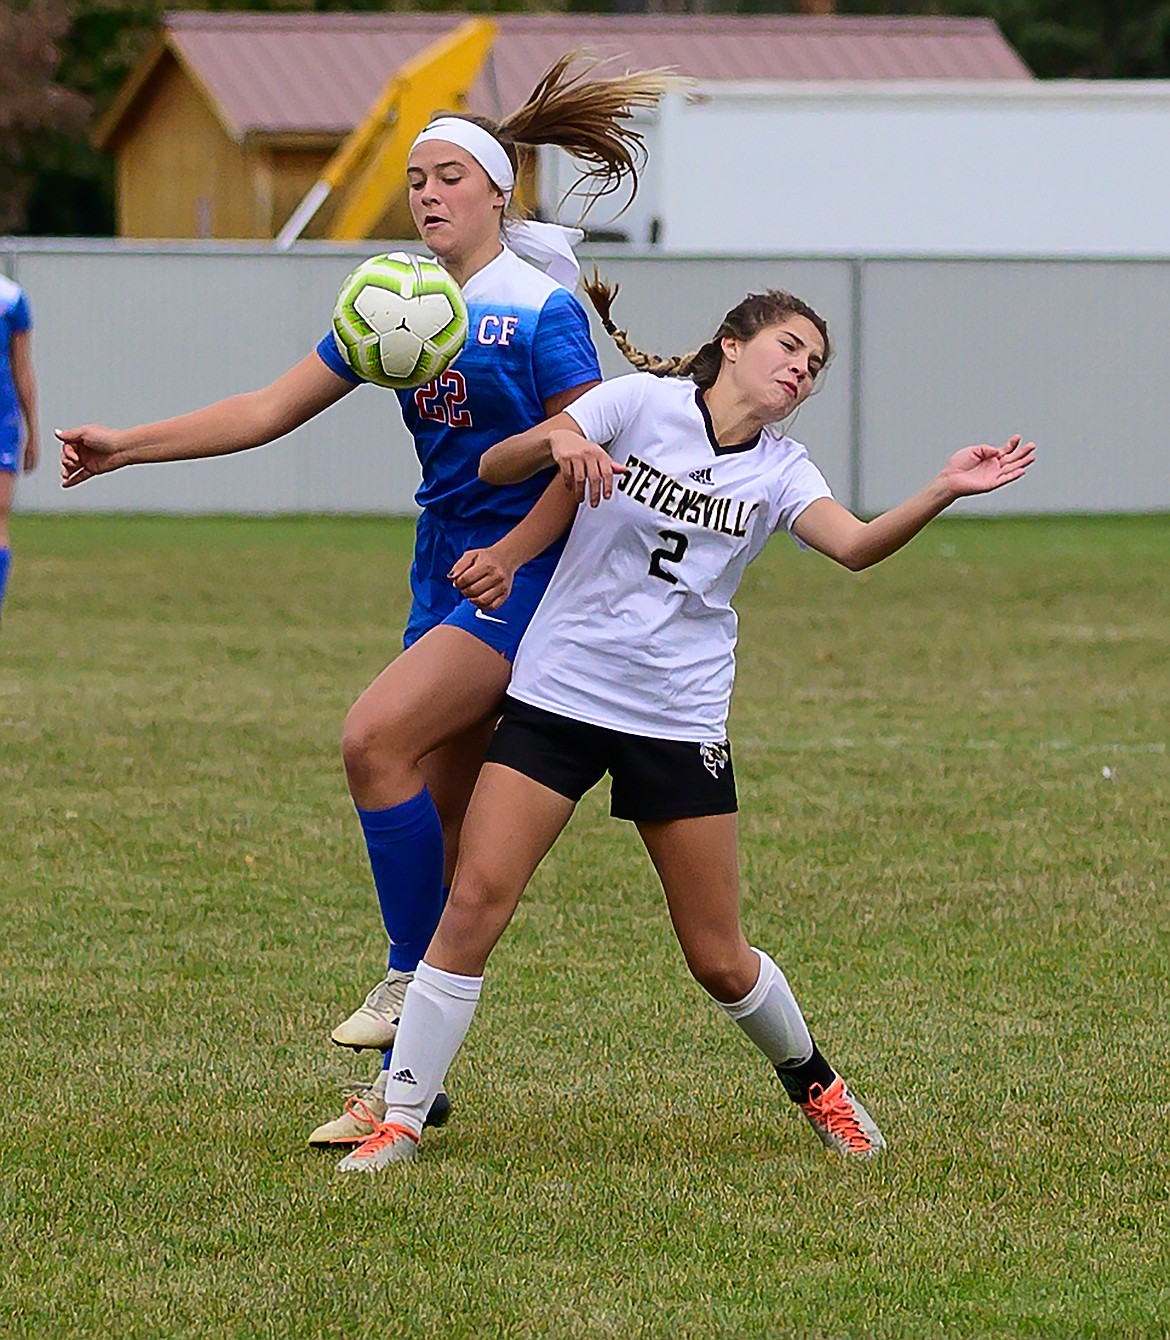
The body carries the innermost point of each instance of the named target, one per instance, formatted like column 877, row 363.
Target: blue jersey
column 528, row 340
column 14, row 318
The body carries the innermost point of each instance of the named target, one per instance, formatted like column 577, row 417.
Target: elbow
column 493, row 469
column 854, row 558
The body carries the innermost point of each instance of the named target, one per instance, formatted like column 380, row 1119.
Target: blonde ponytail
column 587, row 116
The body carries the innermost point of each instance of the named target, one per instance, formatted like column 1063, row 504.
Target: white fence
column 930, row 355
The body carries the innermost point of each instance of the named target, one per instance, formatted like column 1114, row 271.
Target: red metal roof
column 292, row 73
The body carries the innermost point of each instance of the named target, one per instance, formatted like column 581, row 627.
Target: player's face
column 454, row 203
column 778, row 366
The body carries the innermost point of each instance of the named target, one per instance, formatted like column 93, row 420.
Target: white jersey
column 636, row 630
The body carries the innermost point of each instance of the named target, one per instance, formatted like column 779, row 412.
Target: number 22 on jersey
column 445, row 400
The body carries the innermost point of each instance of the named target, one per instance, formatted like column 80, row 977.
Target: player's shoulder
column 10, row 293
column 781, row 448
column 631, row 388
column 636, row 397
column 662, row 395
column 508, row 279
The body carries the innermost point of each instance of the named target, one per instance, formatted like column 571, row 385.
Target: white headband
column 548, row 244
column 481, row 144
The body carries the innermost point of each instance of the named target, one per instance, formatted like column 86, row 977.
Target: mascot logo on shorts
column 715, row 757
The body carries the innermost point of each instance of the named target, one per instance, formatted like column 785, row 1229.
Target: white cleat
column 390, row 1143
column 375, row 1023
column 843, row 1125
column 364, row 1112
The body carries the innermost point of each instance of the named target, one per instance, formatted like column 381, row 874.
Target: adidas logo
column 702, row 476
column 403, row 1077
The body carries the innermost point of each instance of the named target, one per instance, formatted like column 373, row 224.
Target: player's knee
column 357, row 747
column 721, row 971
column 475, row 893
column 368, row 744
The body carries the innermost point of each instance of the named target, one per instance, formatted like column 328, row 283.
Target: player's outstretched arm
column 833, row 530
column 234, row 424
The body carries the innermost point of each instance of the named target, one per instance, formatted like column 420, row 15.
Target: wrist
column 560, row 438
column 129, row 446
column 942, row 491
column 504, row 552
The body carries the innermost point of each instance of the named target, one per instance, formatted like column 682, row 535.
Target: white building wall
column 1050, row 168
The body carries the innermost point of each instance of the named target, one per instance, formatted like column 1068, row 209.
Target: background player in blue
column 413, row 742
column 19, row 440
column 694, row 478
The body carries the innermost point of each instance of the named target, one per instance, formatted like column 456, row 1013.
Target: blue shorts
column 10, row 445
column 437, row 601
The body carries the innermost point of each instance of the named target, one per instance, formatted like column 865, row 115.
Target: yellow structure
column 368, row 173
column 182, row 170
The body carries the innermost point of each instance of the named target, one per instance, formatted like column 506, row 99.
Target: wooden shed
column 229, row 119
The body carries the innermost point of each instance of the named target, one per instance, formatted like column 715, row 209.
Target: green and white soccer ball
column 399, row 320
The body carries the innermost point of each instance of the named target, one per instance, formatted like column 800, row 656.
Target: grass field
column 954, row 782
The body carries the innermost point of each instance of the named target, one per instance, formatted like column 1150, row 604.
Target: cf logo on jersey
column 496, row 329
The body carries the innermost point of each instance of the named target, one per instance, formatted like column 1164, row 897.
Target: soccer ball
column 399, row 320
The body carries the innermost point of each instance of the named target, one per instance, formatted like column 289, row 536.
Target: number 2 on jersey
column 445, row 400
column 671, row 552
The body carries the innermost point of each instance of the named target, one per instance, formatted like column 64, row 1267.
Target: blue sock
column 405, row 843
column 5, row 565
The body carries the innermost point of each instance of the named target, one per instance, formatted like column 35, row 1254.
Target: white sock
column 436, row 1015
column 770, row 1016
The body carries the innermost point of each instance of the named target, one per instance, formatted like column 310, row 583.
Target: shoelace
column 356, row 1106
column 385, row 1133
column 835, row 1112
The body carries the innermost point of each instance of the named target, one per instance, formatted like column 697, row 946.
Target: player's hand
column 88, row 451
column 483, row 578
column 584, row 466
column 981, row 469
column 32, row 453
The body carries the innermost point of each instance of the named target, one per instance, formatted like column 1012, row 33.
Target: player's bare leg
column 414, row 739
column 450, row 771
column 697, row 863
column 511, row 824
column 412, row 746
column 447, row 684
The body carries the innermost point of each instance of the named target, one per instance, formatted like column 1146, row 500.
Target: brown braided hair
column 746, row 319
column 584, row 114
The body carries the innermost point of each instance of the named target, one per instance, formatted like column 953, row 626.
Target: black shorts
column 653, row 780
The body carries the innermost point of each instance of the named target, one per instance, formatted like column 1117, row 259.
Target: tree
column 34, row 107
column 1059, row 39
